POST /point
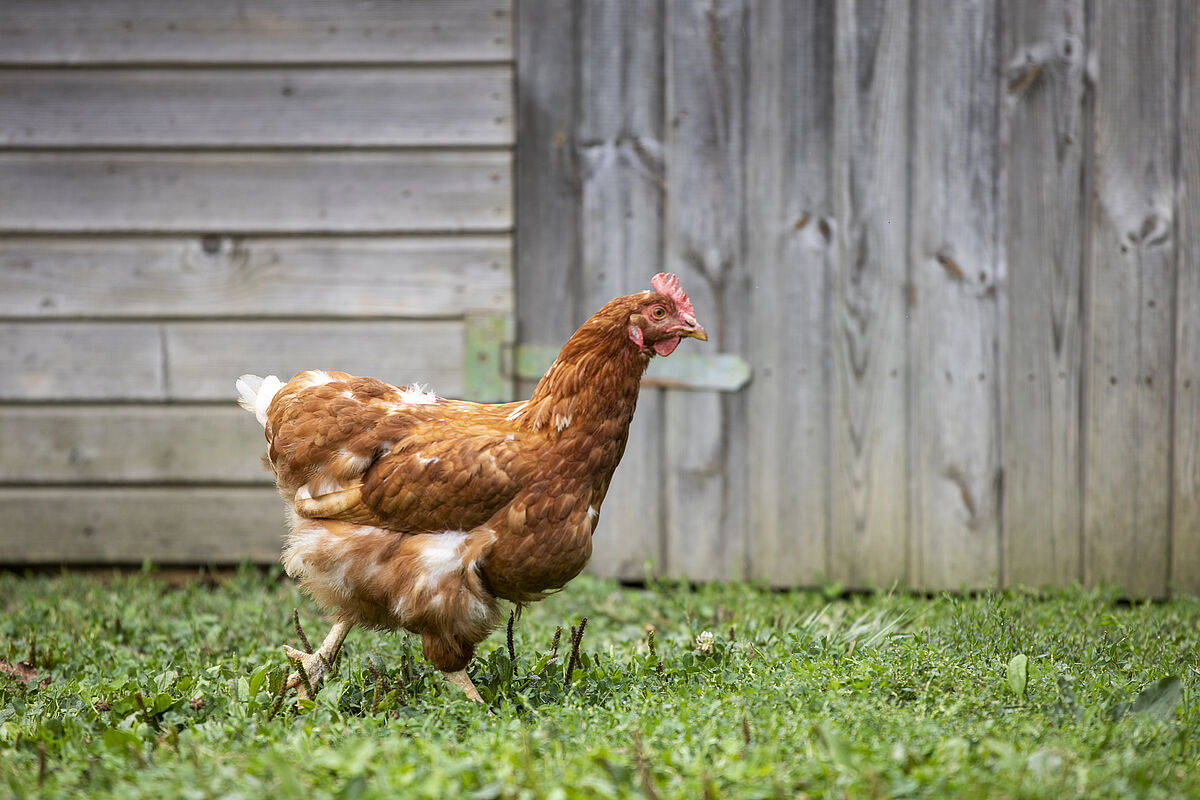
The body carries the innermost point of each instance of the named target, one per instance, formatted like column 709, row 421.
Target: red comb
column 666, row 283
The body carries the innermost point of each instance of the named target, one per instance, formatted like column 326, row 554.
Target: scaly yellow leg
column 463, row 681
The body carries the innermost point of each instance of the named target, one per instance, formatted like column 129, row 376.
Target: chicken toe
column 316, row 664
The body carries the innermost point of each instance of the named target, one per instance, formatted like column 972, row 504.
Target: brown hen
column 412, row 511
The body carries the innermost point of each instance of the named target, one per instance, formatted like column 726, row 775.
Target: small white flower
column 704, row 642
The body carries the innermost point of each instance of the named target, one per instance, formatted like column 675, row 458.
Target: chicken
column 410, row 511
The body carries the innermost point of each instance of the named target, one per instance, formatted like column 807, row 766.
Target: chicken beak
column 693, row 329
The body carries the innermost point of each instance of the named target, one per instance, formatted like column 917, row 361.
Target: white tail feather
column 255, row 394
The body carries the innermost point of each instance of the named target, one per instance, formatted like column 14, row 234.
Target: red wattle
column 666, row 346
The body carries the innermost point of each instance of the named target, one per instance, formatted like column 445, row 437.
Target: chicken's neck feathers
column 594, row 381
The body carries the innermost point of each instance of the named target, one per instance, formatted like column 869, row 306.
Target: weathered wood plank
column 1130, row 331
column 548, row 306
column 309, row 192
column 271, row 32
column 95, row 362
column 199, row 361
column 128, row 525
column 869, row 464
column 130, row 444
column 1046, row 212
column 420, row 276
column 789, row 228
column 201, row 357
column 618, row 141
column 955, row 274
column 257, row 107
column 1185, row 542
column 705, row 432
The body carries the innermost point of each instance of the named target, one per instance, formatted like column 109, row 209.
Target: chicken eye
column 658, row 312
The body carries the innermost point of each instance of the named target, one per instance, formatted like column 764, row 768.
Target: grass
column 143, row 689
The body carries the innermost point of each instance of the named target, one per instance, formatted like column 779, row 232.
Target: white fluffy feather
column 255, row 394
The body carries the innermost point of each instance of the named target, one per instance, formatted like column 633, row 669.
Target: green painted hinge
column 485, row 379
column 493, row 365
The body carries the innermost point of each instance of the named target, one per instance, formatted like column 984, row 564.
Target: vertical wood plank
column 618, row 143
column 788, row 245
column 706, row 434
column 869, row 457
column 1046, row 212
column 1130, row 331
column 547, row 222
column 954, row 263
column 1185, row 549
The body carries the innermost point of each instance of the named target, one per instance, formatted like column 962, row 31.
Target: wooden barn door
column 954, row 241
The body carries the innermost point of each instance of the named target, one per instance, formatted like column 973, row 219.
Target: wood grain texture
column 257, row 107
column 201, row 357
column 1046, row 211
column 199, row 361
column 271, row 32
column 705, row 432
column 1185, row 517
column 81, row 361
column 74, row 525
column 232, row 192
column 124, row 444
column 1130, row 330
column 955, row 266
column 870, row 426
column 618, row 149
column 219, row 276
column 548, row 306
column 789, row 252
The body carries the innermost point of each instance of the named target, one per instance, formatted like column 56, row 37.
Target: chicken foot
column 315, row 664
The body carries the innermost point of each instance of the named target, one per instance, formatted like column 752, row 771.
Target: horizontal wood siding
column 194, row 192
column 255, row 191
column 166, row 525
column 84, row 32
column 216, row 275
column 112, row 445
column 955, row 241
column 257, row 107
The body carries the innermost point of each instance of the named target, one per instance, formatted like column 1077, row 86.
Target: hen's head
column 664, row 316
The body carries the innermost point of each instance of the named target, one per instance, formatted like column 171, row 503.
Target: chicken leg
column 316, row 664
column 463, row 681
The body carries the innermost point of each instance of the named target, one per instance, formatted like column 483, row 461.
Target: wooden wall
column 956, row 241
column 190, row 191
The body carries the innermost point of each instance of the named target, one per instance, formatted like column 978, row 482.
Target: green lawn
column 148, row 690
